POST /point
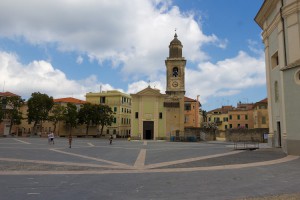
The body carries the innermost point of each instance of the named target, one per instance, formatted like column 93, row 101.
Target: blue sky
column 71, row 47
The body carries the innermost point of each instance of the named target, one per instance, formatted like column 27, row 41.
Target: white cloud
column 43, row 77
column 79, row 60
column 133, row 35
column 226, row 77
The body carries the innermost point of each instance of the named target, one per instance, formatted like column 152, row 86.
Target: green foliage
column 87, row 115
column 39, row 106
column 104, row 116
column 70, row 116
column 12, row 110
column 56, row 115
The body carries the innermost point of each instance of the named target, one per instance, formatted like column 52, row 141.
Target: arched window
column 175, row 71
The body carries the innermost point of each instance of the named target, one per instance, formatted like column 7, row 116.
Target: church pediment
column 149, row 92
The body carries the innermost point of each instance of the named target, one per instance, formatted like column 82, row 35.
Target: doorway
column 279, row 134
column 148, row 130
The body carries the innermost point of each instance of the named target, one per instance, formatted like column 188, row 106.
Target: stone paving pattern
column 30, row 168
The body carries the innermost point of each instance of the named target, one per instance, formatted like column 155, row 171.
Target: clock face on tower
column 175, row 84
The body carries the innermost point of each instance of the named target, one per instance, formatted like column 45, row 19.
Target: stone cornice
column 291, row 8
column 264, row 12
column 292, row 65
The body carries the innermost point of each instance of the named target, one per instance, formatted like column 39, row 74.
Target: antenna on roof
column 100, row 88
column 3, row 86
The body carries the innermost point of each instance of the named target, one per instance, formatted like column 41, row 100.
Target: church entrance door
column 148, row 130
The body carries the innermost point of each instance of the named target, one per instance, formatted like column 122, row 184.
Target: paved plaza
column 30, row 168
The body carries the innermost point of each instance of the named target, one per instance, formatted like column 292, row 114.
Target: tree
column 204, row 115
column 12, row 111
column 39, row 106
column 70, row 116
column 87, row 115
column 56, row 115
column 104, row 116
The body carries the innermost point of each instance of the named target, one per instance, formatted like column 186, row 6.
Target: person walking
column 70, row 141
column 52, row 137
column 110, row 139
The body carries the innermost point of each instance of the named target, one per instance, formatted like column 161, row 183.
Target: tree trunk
column 101, row 132
column 87, row 130
column 10, row 126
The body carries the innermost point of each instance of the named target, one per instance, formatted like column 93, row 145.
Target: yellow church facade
column 158, row 116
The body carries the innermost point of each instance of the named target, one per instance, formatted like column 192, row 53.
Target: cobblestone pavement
column 24, row 157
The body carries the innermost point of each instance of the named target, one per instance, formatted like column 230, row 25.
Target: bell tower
column 175, row 88
column 175, row 65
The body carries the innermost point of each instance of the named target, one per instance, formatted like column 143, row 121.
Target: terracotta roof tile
column 69, row 100
column 8, row 94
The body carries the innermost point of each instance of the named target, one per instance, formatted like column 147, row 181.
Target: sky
column 67, row 48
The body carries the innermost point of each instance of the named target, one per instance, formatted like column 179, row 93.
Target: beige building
column 156, row 115
column 26, row 129
column 220, row 117
column 120, row 104
column 260, row 114
column 280, row 22
column 148, row 115
column 5, row 124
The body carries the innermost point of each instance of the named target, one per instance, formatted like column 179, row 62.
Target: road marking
column 145, row 143
column 59, row 163
column 33, row 193
column 92, row 158
column 140, row 161
column 22, row 141
column 167, row 170
column 90, row 144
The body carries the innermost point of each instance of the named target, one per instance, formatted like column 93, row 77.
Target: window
column 186, row 119
column 115, row 109
column 230, row 125
column 136, row 115
column 187, row 106
column 274, row 60
column 225, row 119
column 230, row 116
column 297, row 77
column 175, row 72
column 246, row 125
column 115, row 120
column 102, row 99
column 263, row 120
column 246, row 117
column 160, row 115
column 238, row 117
column 225, row 126
column 238, row 125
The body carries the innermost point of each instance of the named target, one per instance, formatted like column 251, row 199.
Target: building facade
column 5, row 123
column 260, row 114
column 148, row 115
column 158, row 116
column 280, row 22
column 120, row 104
column 241, row 116
column 192, row 113
column 45, row 127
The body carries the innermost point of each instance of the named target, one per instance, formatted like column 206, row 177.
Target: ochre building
column 159, row 116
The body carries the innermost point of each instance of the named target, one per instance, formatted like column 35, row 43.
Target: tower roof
column 175, row 41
